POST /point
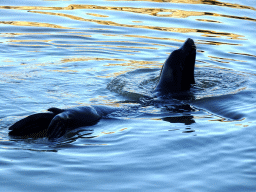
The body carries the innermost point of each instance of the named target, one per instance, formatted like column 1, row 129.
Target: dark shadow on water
column 187, row 120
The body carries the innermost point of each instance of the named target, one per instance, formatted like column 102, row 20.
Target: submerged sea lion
column 56, row 122
column 177, row 75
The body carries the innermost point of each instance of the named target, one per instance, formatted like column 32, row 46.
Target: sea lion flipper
column 57, row 127
column 55, row 110
column 74, row 118
column 31, row 124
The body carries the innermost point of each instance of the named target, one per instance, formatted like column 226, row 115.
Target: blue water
column 74, row 53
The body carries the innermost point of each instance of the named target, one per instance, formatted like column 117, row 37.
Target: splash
column 210, row 82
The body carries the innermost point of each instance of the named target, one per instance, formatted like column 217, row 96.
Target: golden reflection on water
column 241, row 125
column 21, row 41
column 111, row 132
column 216, row 43
column 224, row 120
column 66, row 71
column 147, row 37
column 207, row 33
column 29, row 45
column 7, row 61
column 206, row 2
column 208, row 20
column 132, row 64
column 221, row 59
column 71, row 7
column 159, row 12
column 18, row 76
column 244, row 54
column 33, row 24
column 119, row 46
column 111, row 23
column 85, row 46
column 96, row 15
column 73, row 59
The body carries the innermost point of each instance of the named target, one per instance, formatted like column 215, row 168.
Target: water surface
column 74, row 53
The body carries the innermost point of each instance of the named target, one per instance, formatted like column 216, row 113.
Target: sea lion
column 177, row 75
column 56, row 122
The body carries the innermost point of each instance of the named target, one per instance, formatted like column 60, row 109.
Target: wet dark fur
column 177, row 73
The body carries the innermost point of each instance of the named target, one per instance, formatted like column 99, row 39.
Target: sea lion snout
column 188, row 46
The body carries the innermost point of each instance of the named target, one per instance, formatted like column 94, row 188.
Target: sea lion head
column 177, row 73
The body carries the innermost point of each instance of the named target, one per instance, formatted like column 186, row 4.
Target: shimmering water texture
column 73, row 53
column 210, row 82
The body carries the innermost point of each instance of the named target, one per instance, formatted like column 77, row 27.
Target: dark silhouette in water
column 56, row 122
column 177, row 75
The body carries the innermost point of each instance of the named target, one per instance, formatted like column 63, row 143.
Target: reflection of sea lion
column 178, row 70
column 177, row 75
